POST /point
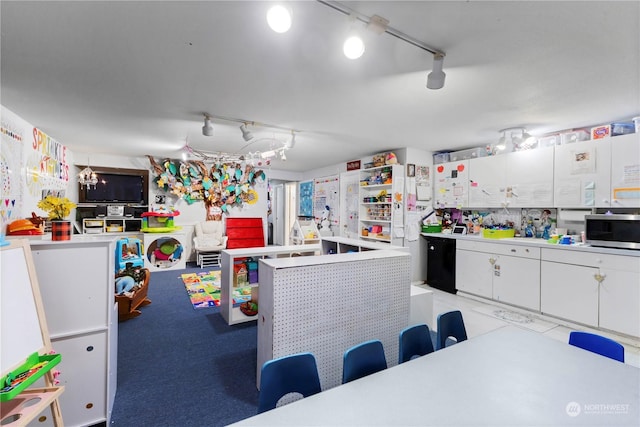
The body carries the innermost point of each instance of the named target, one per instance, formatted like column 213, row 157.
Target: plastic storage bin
column 622, row 128
column 471, row 153
column 440, row 158
column 574, row 136
column 490, row 233
column 549, row 141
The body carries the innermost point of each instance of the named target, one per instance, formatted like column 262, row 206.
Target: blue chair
column 450, row 324
column 415, row 341
column 597, row 344
column 363, row 359
column 297, row 373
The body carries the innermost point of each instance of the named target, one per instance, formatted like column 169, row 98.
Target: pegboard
column 327, row 307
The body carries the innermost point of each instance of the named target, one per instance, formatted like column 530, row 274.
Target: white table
column 508, row 377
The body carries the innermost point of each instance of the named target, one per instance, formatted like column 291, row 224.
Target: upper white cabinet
column 625, row 171
column 582, row 174
column 487, row 181
column 518, row 179
column 451, row 185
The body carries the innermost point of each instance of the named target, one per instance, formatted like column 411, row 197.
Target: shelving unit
column 232, row 315
column 380, row 211
column 304, row 232
column 111, row 225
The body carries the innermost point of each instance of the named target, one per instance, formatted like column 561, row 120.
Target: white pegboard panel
column 327, row 308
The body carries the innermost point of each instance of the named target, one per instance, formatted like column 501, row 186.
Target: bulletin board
column 305, row 192
column 327, row 193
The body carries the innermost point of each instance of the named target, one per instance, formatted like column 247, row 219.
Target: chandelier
column 87, row 177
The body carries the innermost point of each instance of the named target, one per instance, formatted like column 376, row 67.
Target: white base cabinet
column 506, row 273
column 77, row 282
column 598, row 290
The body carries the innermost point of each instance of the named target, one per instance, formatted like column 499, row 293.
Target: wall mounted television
column 117, row 186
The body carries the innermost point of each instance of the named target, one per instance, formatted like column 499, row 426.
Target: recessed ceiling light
column 279, row 18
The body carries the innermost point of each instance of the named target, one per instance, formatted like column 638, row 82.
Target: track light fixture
column 292, row 142
column 435, row 79
column 207, row 129
column 246, row 134
column 379, row 25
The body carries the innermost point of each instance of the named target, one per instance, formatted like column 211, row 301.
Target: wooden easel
column 24, row 332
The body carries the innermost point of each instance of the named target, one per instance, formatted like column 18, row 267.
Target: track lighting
column 207, row 129
column 292, row 142
column 435, row 79
column 246, row 135
column 502, row 141
column 516, row 139
column 353, row 47
column 279, row 18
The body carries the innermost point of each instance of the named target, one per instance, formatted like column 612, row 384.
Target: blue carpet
column 183, row 367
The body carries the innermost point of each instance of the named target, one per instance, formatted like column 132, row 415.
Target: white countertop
column 541, row 243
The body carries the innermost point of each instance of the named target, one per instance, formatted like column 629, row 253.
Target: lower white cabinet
column 76, row 279
column 598, row 290
column 505, row 273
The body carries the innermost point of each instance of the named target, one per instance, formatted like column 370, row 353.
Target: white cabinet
column 487, row 181
column 77, row 286
column 625, row 171
column 582, row 174
column 598, row 290
column 382, row 204
column 229, row 310
column 518, row 179
column 506, row 273
column 451, row 185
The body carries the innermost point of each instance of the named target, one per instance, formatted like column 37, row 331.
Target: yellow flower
column 57, row 207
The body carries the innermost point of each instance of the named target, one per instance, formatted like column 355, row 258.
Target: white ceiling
column 135, row 78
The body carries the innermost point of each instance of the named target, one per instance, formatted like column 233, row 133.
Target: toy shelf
column 381, row 192
column 232, row 314
column 304, row 232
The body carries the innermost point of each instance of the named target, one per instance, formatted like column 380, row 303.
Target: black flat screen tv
column 116, row 188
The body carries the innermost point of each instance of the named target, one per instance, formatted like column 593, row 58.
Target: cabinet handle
column 431, row 248
column 513, row 250
column 599, row 277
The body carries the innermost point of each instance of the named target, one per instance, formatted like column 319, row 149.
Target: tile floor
column 478, row 319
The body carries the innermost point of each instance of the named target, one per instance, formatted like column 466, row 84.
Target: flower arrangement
column 57, row 207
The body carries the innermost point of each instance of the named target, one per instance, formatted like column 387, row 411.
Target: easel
column 24, row 332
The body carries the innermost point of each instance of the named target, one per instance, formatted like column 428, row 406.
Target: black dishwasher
column 441, row 263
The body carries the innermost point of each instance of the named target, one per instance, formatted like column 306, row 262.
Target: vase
column 60, row 229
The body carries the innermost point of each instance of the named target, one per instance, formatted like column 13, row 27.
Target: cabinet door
column 451, row 185
column 349, row 193
column 569, row 292
column 582, row 174
column 487, row 181
column 619, row 301
column 517, row 281
column 625, row 170
column 474, row 273
column 530, row 178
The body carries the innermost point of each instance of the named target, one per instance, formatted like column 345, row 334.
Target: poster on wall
column 31, row 162
column 306, row 199
column 327, row 193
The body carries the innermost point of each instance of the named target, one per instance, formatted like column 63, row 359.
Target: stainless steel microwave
column 614, row 231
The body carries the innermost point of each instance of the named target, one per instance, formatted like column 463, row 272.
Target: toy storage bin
column 574, row 136
column 622, row 128
column 549, row 141
column 490, row 233
column 471, row 153
column 440, row 158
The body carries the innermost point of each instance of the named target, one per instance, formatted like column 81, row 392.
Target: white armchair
column 208, row 241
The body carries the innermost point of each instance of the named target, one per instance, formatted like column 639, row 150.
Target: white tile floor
column 479, row 320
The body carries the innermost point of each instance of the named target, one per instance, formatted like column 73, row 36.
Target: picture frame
column 411, row 170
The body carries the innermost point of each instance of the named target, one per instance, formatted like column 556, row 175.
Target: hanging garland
column 221, row 186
